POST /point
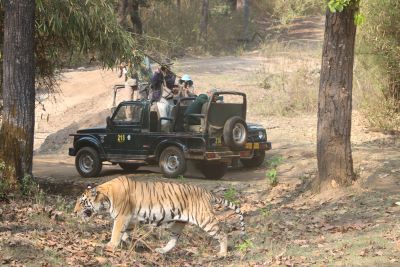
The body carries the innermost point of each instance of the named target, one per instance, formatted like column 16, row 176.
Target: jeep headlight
column 261, row 135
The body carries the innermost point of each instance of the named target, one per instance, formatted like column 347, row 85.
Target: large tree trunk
column 335, row 163
column 204, row 23
column 17, row 129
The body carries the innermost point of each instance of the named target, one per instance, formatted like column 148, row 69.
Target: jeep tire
column 129, row 167
column 235, row 133
column 255, row 161
column 87, row 162
column 213, row 170
column 172, row 162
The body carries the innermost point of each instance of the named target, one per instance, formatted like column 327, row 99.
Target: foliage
column 31, row 189
column 266, row 211
column 231, row 195
column 338, row 5
column 245, row 246
column 176, row 33
column 286, row 11
column 71, row 28
column 274, row 161
column 379, row 55
column 272, row 176
column 6, row 184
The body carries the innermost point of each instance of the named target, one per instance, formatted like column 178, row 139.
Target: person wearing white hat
column 186, row 88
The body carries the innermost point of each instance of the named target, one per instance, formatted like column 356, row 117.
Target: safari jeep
column 134, row 137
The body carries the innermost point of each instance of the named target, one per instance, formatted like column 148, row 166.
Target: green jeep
column 134, row 137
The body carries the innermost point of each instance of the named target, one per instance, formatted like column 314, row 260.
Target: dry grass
column 286, row 225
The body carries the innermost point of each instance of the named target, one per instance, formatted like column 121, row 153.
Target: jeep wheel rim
column 172, row 163
column 86, row 163
column 239, row 133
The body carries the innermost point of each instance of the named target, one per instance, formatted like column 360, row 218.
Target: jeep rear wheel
column 255, row 161
column 235, row 133
column 213, row 170
column 87, row 162
column 172, row 162
column 129, row 167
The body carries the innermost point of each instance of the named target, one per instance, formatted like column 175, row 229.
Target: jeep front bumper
column 72, row 151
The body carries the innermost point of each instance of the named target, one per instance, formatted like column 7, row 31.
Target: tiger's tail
column 233, row 207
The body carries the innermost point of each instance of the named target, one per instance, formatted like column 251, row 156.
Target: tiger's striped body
column 156, row 203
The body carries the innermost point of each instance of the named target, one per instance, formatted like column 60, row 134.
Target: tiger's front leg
column 119, row 227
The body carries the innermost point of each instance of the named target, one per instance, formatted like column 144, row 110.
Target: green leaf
column 359, row 19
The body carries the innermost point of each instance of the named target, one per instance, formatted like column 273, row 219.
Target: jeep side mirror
column 109, row 122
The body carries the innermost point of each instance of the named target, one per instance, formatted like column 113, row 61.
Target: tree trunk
column 246, row 15
column 122, row 8
column 135, row 17
column 178, row 5
column 233, row 4
column 204, row 23
column 129, row 16
column 239, row 4
column 335, row 163
column 17, row 128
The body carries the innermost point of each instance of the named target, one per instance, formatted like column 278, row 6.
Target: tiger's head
column 89, row 203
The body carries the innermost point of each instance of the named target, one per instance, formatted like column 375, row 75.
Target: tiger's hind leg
column 176, row 230
column 213, row 229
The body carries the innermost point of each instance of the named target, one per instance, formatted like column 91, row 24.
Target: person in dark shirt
column 162, row 77
column 195, row 108
column 197, row 105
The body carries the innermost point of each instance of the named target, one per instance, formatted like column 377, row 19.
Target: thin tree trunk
column 204, row 23
column 233, row 4
column 246, row 18
column 178, row 5
column 239, row 4
column 135, row 16
column 17, row 129
column 335, row 163
column 122, row 8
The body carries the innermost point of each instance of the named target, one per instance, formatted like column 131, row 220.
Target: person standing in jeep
column 162, row 85
column 162, row 82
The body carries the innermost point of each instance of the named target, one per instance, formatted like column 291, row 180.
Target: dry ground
column 287, row 225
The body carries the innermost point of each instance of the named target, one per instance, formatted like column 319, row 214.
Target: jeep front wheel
column 87, row 162
column 213, row 170
column 172, row 162
column 255, row 161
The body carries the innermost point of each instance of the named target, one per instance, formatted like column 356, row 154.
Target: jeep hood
column 95, row 130
column 254, row 127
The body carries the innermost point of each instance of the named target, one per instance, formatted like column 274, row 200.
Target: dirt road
column 86, row 97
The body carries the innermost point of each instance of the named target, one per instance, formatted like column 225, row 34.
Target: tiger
column 167, row 204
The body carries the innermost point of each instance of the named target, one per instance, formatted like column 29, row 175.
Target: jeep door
column 124, row 138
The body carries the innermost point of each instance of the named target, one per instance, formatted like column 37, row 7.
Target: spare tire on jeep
column 235, row 133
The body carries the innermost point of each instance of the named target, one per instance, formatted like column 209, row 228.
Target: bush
column 378, row 50
column 285, row 11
